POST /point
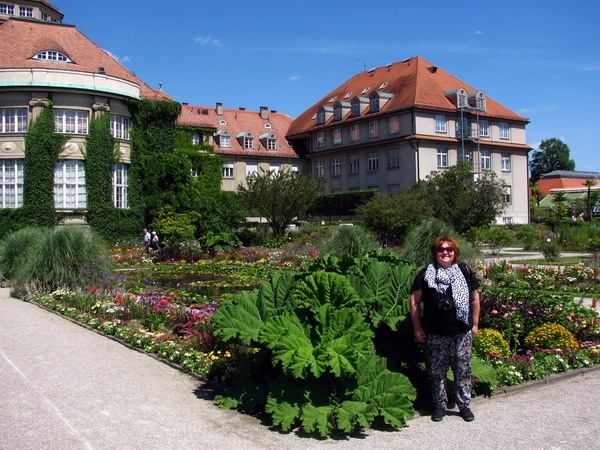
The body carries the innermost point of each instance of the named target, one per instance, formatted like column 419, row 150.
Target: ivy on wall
column 42, row 147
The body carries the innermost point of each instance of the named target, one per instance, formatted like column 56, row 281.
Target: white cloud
column 592, row 67
column 124, row 59
column 294, row 77
column 208, row 41
column 478, row 32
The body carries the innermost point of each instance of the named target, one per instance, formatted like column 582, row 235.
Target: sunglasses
column 445, row 249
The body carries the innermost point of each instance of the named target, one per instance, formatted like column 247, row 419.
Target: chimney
column 264, row 112
column 219, row 109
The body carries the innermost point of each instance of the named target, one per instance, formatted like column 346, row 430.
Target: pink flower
column 517, row 325
column 494, row 312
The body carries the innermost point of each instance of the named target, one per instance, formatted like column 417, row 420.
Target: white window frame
column 372, row 162
column 119, row 186
column 70, row 190
column 224, row 141
column 120, row 126
column 13, row 120
column 440, row 123
column 271, row 144
column 506, row 194
column 248, row 143
column 375, row 104
column 442, row 157
column 486, row 160
column 11, row 182
column 26, row 11
column 505, row 164
column 484, row 128
column 504, row 130
column 227, row 170
column 71, row 121
column 465, row 155
column 353, row 166
column 7, row 9
column 251, row 170
column 336, row 167
column 319, row 169
column 274, row 169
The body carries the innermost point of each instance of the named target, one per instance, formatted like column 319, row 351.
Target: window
column 394, row 124
column 373, row 162
column 7, row 9
column 506, row 194
column 224, row 141
column 119, row 186
column 464, row 155
column 25, row 11
column 119, row 127
column 393, row 160
column 337, row 136
column 440, row 123
column 337, row 113
column 227, row 170
column 462, row 127
column 507, row 220
column 70, row 121
column 480, row 103
column 248, row 143
column 321, row 117
column 196, row 139
column 505, row 162
column 504, row 130
column 274, row 169
column 271, row 144
column 354, row 133
column 484, row 128
column 51, row 55
column 336, row 167
column 13, row 120
column 353, row 165
column 251, row 170
column 69, row 185
column 374, row 104
column 321, row 139
column 462, row 101
column 486, row 160
column 442, row 157
column 356, row 109
column 374, row 128
column 319, row 169
column 12, row 182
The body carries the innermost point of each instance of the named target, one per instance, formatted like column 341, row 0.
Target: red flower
column 163, row 302
column 93, row 289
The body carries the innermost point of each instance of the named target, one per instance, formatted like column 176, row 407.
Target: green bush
column 551, row 336
column 489, row 341
column 350, row 240
column 495, row 237
column 50, row 259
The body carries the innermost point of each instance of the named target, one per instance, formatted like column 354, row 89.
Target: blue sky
column 539, row 58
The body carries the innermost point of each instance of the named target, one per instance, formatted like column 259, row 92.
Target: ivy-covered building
column 250, row 142
column 45, row 63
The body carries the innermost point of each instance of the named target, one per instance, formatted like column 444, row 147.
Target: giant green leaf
column 322, row 288
column 238, row 318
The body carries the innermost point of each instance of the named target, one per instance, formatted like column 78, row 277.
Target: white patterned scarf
column 441, row 279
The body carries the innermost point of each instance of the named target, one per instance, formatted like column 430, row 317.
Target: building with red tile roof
column 389, row 127
column 43, row 60
column 565, row 180
column 252, row 141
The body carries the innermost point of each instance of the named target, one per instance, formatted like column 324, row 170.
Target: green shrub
column 51, row 259
column 350, row 240
column 489, row 341
column 528, row 235
column 551, row 336
column 496, row 237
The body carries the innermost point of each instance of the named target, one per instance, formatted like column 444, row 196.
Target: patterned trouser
column 454, row 352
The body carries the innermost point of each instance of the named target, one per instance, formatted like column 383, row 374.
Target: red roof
column 414, row 82
column 238, row 121
column 23, row 39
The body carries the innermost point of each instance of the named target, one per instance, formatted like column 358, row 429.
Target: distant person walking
column 147, row 239
column 447, row 290
column 154, row 242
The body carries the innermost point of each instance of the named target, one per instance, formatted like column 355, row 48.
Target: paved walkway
column 65, row 387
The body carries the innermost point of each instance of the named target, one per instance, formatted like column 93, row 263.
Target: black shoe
column 438, row 414
column 467, row 415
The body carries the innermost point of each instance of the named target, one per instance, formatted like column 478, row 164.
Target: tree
column 589, row 184
column 552, row 154
column 281, row 196
column 464, row 201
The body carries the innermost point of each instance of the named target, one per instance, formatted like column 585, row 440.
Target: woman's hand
column 420, row 334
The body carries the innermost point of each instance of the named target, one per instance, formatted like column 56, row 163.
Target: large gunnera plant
column 311, row 361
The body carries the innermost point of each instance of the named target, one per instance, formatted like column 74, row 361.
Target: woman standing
column 450, row 318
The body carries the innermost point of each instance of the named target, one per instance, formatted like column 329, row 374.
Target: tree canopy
column 281, row 196
column 552, row 154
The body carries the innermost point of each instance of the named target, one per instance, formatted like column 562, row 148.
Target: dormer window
column 223, row 138
column 340, row 109
column 477, row 100
column 52, row 55
column 246, row 140
column 25, row 11
column 458, row 97
column 269, row 141
column 324, row 114
column 359, row 104
column 378, row 100
column 7, row 9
